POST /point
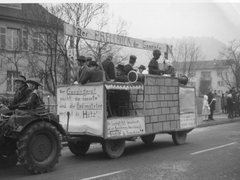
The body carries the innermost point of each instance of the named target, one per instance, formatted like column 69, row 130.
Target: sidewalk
column 219, row 118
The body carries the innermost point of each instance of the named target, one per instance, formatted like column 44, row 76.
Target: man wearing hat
column 35, row 99
column 141, row 69
column 94, row 74
column 108, row 67
column 168, row 68
column 82, row 69
column 120, row 75
column 153, row 64
column 21, row 94
column 129, row 66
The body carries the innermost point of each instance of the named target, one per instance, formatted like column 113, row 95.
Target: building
column 23, row 42
column 203, row 74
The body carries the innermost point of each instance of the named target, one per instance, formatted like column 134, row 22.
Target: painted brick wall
column 161, row 103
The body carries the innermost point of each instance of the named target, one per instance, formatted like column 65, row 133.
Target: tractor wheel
column 179, row 137
column 114, row 148
column 39, row 147
column 78, row 148
column 148, row 139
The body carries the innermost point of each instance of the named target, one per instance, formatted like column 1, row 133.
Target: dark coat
column 127, row 69
column 81, row 73
column 153, row 67
column 170, row 70
column 121, row 78
column 20, row 97
column 108, row 67
column 95, row 75
column 210, row 98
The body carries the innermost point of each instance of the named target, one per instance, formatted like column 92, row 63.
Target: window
column 24, row 40
column 191, row 83
column 2, row 37
column 10, row 78
column 219, row 72
column 220, row 83
column 35, row 42
column 12, row 38
column 206, row 74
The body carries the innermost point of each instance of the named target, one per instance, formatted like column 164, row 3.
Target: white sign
column 112, row 38
column 85, row 106
column 187, row 120
column 125, row 126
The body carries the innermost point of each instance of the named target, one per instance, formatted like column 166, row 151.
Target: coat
column 81, row 73
column 121, row 78
column 205, row 108
column 127, row 69
column 153, row 67
column 170, row 70
column 108, row 67
column 211, row 102
column 95, row 75
column 20, row 96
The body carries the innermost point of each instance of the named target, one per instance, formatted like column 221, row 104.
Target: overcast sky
column 166, row 20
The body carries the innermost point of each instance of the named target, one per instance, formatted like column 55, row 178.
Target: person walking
column 211, row 102
column 230, row 105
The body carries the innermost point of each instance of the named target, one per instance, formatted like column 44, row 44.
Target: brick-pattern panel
column 161, row 103
column 137, row 102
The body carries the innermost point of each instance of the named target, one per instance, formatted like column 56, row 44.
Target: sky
column 218, row 19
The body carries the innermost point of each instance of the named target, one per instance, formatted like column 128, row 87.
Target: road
column 209, row 153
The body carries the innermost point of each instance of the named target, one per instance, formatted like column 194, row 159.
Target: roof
column 201, row 65
column 28, row 12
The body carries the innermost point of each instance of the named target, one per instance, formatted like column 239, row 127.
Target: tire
column 148, row 139
column 114, row 148
column 39, row 147
column 78, row 148
column 179, row 137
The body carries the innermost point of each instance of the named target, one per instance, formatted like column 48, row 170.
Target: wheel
column 39, row 147
column 148, row 139
column 114, row 148
column 179, row 137
column 78, row 148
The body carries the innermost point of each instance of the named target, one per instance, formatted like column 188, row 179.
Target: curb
column 216, row 122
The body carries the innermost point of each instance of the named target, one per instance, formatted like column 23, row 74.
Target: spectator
column 108, row 67
column 94, row 74
column 120, row 74
column 230, row 105
column 211, row 102
column 153, row 67
column 225, row 103
column 205, row 108
column 129, row 66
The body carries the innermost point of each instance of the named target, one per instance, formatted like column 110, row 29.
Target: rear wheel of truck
column 78, row 148
column 39, row 147
column 148, row 139
column 179, row 137
column 114, row 148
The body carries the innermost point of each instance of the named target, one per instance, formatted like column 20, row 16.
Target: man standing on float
column 153, row 67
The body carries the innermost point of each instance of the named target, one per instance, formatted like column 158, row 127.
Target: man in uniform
column 153, row 64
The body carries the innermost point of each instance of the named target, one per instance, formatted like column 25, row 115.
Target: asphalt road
column 210, row 153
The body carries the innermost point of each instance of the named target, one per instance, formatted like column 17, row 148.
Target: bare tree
column 186, row 54
column 231, row 58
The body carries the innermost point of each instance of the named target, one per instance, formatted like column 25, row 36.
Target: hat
column 81, row 58
column 156, row 51
column 120, row 67
column 92, row 63
column 88, row 58
column 21, row 79
column 142, row 67
column 33, row 81
column 133, row 57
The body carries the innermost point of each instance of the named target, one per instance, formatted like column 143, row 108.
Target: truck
column 111, row 113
